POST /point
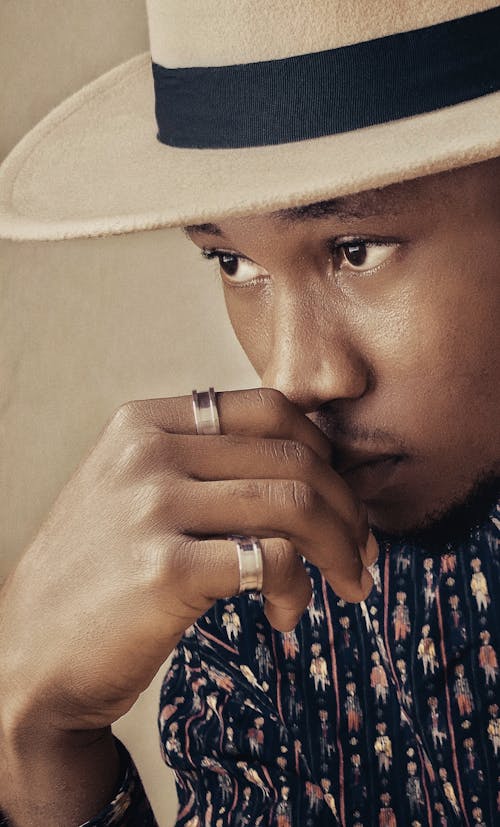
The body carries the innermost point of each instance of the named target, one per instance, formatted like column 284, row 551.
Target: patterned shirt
column 380, row 714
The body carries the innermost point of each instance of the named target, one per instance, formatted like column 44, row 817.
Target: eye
column 235, row 268
column 361, row 255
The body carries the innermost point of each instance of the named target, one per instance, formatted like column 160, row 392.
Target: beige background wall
column 87, row 325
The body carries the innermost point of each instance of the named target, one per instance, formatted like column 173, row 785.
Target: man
column 371, row 317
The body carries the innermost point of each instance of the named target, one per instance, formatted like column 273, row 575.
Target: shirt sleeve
column 129, row 807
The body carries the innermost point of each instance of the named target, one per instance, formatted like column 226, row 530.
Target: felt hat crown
column 251, row 106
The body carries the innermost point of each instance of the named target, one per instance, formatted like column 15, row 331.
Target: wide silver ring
column 249, row 552
column 206, row 415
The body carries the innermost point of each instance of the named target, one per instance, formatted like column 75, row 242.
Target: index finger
column 267, row 412
column 262, row 412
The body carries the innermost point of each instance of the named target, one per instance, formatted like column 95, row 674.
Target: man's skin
column 399, row 359
column 376, row 318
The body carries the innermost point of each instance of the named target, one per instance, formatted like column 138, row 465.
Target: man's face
column 377, row 314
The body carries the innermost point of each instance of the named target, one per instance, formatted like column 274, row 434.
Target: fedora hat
column 245, row 106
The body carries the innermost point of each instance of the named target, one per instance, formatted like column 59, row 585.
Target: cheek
column 463, row 329
column 250, row 318
column 446, row 359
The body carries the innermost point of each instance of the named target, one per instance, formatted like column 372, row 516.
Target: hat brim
column 94, row 167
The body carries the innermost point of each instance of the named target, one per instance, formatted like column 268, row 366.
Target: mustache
column 340, row 431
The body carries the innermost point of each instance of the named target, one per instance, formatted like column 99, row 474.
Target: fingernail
column 366, row 583
column 372, row 549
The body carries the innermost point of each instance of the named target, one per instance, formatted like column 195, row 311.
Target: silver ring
column 206, row 415
column 249, row 552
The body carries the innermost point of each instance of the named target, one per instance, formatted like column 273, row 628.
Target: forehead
column 475, row 188
column 391, row 200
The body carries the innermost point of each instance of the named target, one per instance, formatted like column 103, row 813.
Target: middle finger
column 280, row 508
column 239, row 457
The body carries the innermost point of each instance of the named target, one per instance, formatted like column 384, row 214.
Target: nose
column 313, row 361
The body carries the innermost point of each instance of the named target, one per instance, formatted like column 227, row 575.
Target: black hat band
column 329, row 92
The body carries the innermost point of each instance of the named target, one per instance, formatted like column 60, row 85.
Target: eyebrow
column 344, row 208
column 205, row 229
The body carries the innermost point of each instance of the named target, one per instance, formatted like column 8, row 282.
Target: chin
column 397, row 518
column 433, row 526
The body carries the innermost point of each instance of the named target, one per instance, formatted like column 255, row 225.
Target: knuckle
column 166, row 562
column 277, row 408
column 188, row 564
column 256, row 489
column 123, row 416
column 144, row 453
column 156, row 507
column 301, row 455
column 270, row 397
column 281, row 565
column 179, row 556
column 132, row 457
column 285, row 558
column 302, row 497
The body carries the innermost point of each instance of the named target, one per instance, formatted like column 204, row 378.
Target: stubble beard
column 455, row 524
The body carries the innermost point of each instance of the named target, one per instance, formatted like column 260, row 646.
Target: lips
column 372, row 477
column 353, row 460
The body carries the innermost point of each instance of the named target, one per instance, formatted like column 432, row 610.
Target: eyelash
column 334, row 247
column 213, row 254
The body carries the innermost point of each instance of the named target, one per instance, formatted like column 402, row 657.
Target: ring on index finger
column 206, row 415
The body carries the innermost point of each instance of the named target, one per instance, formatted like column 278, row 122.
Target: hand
column 133, row 550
